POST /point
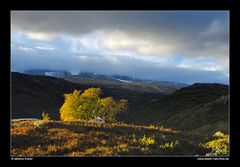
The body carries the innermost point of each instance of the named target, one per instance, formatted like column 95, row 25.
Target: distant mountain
column 111, row 80
column 202, row 107
column 91, row 75
column 130, row 79
column 125, row 82
column 53, row 73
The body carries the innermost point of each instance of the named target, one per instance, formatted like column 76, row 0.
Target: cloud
column 108, row 64
column 216, row 28
column 186, row 42
column 84, row 43
column 44, row 48
column 27, row 49
column 122, row 44
column 118, row 40
column 40, row 36
column 112, row 59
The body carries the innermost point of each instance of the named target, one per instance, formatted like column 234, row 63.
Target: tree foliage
column 68, row 111
column 89, row 105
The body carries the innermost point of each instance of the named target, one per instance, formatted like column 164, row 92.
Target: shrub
column 147, row 141
column 218, row 134
column 169, row 145
column 219, row 146
column 45, row 116
column 39, row 123
column 122, row 148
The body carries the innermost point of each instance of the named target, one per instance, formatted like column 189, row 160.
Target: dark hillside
column 196, row 106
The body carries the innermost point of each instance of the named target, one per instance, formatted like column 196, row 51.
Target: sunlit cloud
column 119, row 40
column 40, row 36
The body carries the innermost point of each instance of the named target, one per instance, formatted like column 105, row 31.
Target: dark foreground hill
column 201, row 107
column 31, row 95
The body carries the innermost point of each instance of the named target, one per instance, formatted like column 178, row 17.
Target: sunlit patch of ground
column 56, row 138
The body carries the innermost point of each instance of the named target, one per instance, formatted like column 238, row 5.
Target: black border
column 117, row 5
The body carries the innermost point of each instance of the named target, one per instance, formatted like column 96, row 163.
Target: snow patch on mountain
column 125, row 81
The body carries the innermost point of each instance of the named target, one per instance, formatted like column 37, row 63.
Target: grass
column 56, row 138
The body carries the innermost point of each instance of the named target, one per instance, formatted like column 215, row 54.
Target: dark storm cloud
column 75, row 22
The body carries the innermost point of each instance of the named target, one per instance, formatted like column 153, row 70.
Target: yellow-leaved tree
column 70, row 106
column 89, row 105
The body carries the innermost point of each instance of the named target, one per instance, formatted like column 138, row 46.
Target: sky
column 178, row 46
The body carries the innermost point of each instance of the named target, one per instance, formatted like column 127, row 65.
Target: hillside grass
column 56, row 138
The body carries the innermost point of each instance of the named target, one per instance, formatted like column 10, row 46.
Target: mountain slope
column 31, row 95
column 193, row 107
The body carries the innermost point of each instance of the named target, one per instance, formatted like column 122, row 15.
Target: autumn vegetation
column 219, row 146
column 83, row 138
column 79, row 138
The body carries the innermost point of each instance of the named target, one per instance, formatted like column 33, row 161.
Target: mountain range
column 47, row 72
column 90, row 78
